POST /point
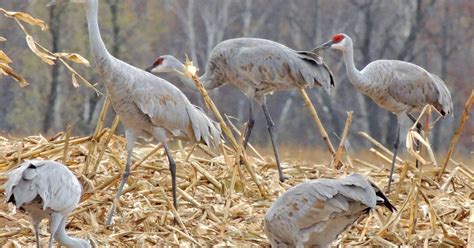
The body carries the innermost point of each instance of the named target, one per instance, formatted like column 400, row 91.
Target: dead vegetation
column 220, row 203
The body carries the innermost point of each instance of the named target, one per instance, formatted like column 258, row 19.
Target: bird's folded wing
column 277, row 65
column 413, row 87
column 315, row 202
column 165, row 106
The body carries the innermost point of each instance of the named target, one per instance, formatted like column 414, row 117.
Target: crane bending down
column 257, row 67
column 397, row 86
column 46, row 189
column 314, row 213
column 148, row 106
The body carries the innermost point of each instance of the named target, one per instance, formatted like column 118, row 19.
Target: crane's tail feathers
column 319, row 73
column 384, row 200
column 21, row 175
column 204, row 128
column 444, row 96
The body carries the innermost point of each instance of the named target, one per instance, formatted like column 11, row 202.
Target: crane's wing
column 444, row 97
column 280, row 65
column 57, row 187
column 382, row 199
column 315, row 201
column 168, row 107
column 18, row 189
column 414, row 86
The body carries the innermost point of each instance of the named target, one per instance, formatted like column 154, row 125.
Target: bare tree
column 52, row 113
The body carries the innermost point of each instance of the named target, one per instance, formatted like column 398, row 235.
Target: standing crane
column 257, row 67
column 149, row 106
column 46, row 189
column 315, row 212
column 397, row 86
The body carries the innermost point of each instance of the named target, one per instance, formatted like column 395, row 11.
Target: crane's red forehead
column 158, row 61
column 338, row 38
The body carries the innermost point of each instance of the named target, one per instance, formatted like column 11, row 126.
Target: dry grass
column 220, row 203
column 144, row 217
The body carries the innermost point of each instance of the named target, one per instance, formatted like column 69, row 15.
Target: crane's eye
column 337, row 38
column 158, row 61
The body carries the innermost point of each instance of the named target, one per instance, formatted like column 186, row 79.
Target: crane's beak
column 149, row 68
column 54, row 2
column 323, row 46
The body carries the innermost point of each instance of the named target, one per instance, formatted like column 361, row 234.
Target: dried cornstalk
column 210, row 104
column 336, row 163
column 319, row 124
column 379, row 146
column 66, row 142
column 106, row 142
column 454, row 140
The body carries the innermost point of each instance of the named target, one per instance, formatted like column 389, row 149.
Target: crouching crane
column 314, row 213
column 46, row 189
column 397, row 86
column 257, row 67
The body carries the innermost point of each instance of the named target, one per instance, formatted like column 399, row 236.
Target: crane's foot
column 283, row 178
column 110, row 217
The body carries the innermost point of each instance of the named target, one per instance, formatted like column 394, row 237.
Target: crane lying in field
column 46, row 189
column 314, row 213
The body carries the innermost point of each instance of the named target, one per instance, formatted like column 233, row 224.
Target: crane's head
column 166, row 63
column 339, row 41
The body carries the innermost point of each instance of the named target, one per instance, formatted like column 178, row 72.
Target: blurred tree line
column 437, row 35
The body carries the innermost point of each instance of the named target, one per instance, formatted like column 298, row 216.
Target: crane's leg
column 160, row 135
column 173, row 174
column 270, row 126
column 36, row 222
column 131, row 138
column 395, row 151
column 418, row 125
column 54, row 222
column 251, row 122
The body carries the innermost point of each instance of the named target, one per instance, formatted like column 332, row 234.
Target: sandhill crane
column 315, row 212
column 148, row 106
column 46, row 189
column 257, row 67
column 397, row 86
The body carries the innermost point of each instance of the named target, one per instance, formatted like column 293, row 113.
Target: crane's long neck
column 66, row 240
column 188, row 82
column 99, row 50
column 355, row 76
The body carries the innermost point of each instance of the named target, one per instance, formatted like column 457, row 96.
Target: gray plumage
column 147, row 105
column 314, row 213
column 397, row 86
column 46, row 189
column 257, row 67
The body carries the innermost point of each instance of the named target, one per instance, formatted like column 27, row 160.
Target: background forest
column 437, row 35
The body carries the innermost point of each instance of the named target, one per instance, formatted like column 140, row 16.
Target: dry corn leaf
column 4, row 58
column 8, row 71
column 24, row 17
column 48, row 59
column 74, row 81
column 2, row 38
column 144, row 210
column 74, row 57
